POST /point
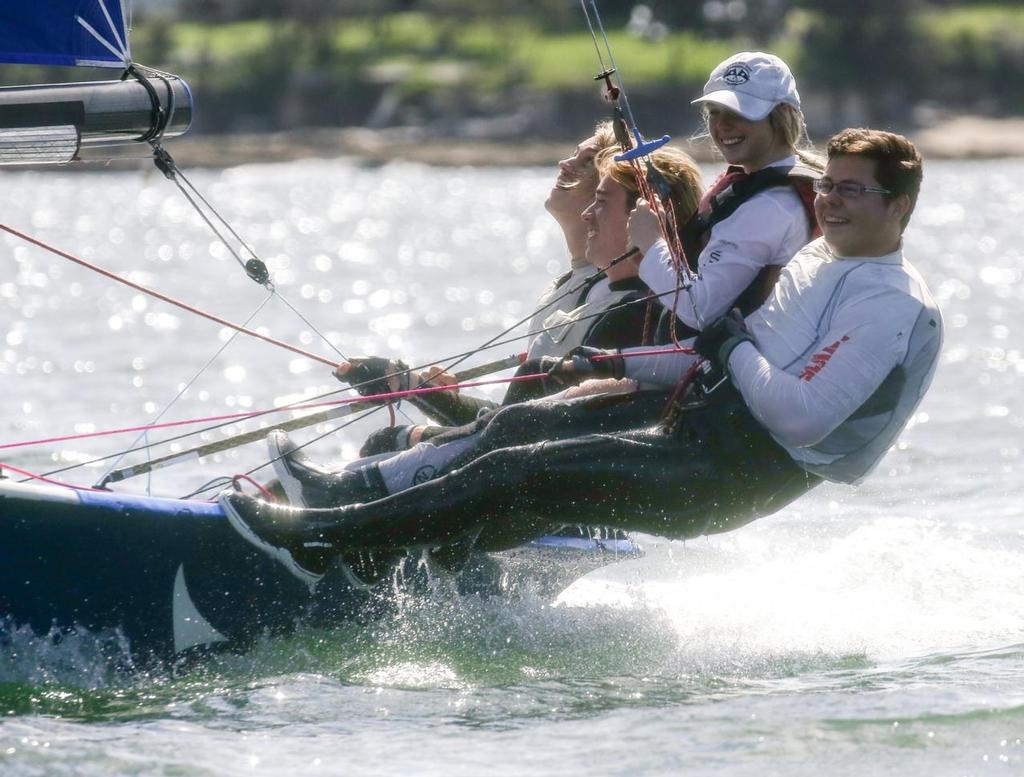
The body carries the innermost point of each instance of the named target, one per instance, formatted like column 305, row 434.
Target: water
column 877, row 630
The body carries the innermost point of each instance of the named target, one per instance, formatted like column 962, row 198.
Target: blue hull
column 173, row 576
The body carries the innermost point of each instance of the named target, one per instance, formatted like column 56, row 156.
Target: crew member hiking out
column 822, row 379
column 756, row 215
column 610, row 314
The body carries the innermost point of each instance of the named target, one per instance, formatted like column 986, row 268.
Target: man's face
column 868, row 225
column 574, row 187
column 606, row 219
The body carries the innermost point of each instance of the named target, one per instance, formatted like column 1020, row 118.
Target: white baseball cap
column 751, row 84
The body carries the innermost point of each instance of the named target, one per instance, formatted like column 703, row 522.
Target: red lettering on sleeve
column 820, row 359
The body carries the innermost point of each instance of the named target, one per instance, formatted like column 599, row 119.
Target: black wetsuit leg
column 541, row 420
column 717, row 470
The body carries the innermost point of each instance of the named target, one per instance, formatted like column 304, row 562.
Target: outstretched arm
column 373, row 376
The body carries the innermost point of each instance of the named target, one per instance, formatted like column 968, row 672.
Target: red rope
column 267, row 495
column 165, row 298
column 44, row 479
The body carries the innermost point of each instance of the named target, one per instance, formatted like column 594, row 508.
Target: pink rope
column 250, row 413
column 388, row 397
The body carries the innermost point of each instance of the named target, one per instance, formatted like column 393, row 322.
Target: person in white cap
column 758, row 213
column 821, row 380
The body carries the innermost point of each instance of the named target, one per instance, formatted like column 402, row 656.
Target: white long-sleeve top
column 845, row 349
column 767, row 229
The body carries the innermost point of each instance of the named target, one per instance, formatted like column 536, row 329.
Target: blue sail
column 64, row 32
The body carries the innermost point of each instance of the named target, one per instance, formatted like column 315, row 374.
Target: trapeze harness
column 722, row 199
column 564, row 330
column 610, row 321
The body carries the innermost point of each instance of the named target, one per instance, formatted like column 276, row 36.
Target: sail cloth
column 64, row 32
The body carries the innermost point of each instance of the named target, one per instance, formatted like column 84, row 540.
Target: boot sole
column 291, row 485
column 278, row 554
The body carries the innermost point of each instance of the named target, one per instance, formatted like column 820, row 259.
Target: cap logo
column 736, row 75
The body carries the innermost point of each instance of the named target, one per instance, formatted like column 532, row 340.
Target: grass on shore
column 514, row 50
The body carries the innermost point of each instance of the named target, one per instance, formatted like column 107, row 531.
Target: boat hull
column 172, row 576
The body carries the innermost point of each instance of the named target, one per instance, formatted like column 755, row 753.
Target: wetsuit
column 551, row 298
column 850, row 342
column 603, row 315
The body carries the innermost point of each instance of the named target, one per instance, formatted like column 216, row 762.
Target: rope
column 236, row 480
column 471, row 372
column 163, row 297
column 385, row 397
column 660, row 202
column 43, row 478
column 255, row 267
column 181, row 392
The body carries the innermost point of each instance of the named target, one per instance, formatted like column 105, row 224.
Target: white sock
column 420, row 463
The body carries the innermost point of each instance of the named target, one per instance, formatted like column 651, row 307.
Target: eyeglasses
column 848, row 190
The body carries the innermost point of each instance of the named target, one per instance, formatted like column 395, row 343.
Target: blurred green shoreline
column 966, row 137
column 510, row 82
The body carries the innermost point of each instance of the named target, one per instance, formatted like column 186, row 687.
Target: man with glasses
column 821, row 380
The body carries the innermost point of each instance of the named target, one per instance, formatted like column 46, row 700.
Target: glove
column 717, row 340
column 582, row 363
column 372, row 375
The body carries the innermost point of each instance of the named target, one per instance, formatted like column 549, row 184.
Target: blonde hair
column 789, row 125
column 604, row 134
column 676, row 167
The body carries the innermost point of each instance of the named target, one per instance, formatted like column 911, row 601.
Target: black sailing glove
column 583, row 363
column 372, row 375
column 717, row 340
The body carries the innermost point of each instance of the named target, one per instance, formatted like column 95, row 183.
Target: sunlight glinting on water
column 880, row 624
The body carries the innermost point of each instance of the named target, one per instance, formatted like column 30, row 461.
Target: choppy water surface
column 877, row 630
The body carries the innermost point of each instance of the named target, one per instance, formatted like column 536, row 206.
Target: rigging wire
column 303, row 405
column 652, row 185
column 181, row 391
column 165, row 298
column 257, row 271
column 255, row 268
column 294, row 405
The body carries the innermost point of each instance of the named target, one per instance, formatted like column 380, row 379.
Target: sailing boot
column 295, row 537
column 309, row 484
column 277, row 531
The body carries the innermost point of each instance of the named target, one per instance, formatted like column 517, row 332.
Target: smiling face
column 574, row 186
column 868, row 225
column 744, row 143
column 605, row 219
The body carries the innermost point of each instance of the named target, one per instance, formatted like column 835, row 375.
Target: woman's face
column 744, row 143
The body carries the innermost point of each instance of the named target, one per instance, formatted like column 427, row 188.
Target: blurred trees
column 443, row 61
column 864, row 50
